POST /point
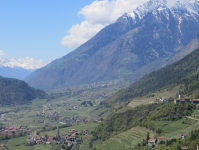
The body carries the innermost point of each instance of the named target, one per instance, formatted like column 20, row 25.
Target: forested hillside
column 158, row 79
column 14, row 91
column 144, row 115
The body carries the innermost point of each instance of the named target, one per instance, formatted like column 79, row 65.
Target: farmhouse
column 152, row 141
column 184, row 135
column 162, row 99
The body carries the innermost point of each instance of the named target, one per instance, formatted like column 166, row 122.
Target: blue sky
column 49, row 29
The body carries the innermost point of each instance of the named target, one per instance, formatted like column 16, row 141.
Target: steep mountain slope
column 137, row 74
column 155, row 30
column 176, row 72
column 14, row 91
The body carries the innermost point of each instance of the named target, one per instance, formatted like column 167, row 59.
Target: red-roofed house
column 161, row 138
column 12, row 128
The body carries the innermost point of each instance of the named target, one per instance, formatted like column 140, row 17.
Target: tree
column 176, row 146
column 187, row 113
column 166, row 143
column 158, row 130
column 13, row 134
column 6, row 136
column 147, row 137
column 20, row 132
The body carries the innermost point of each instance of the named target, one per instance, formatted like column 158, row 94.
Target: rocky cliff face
column 154, row 31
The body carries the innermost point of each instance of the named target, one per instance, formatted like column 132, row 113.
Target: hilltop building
column 182, row 99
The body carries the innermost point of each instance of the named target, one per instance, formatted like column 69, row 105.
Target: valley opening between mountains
column 133, row 86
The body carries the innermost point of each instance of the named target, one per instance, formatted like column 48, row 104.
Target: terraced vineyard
column 125, row 140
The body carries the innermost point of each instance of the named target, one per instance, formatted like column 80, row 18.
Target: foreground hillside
column 14, row 91
column 154, row 31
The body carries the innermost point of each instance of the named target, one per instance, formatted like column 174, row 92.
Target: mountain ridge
column 121, row 48
column 14, row 91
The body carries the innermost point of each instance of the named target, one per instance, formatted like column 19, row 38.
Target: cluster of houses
column 14, row 129
column 44, row 115
column 182, row 99
column 152, row 142
column 72, row 120
column 53, row 116
column 101, row 84
column 70, row 139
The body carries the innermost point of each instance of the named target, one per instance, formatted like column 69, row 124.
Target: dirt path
column 191, row 118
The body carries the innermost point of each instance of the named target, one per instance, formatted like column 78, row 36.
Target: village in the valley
column 73, row 137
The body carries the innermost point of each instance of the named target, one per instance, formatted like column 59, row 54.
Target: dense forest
column 14, row 91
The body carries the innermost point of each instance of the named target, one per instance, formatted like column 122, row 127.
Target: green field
column 125, row 140
column 171, row 126
column 85, row 144
column 17, row 141
column 35, row 147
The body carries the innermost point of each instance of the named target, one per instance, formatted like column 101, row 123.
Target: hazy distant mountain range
column 152, row 33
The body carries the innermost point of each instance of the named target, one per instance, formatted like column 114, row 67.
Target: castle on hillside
column 182, row 99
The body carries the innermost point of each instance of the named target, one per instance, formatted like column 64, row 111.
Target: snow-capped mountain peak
column 26, row 63
column 191, row 7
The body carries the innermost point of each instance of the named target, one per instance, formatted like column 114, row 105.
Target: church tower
column 58, row 132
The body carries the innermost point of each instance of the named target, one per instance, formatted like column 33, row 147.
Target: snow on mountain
column 191, row 7
column 26, row 63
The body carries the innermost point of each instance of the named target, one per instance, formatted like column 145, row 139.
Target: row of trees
column 6, row 136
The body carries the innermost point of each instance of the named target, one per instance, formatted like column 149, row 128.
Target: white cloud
column 97, row 15
column 2, row 52
column 108, row 11
column 80, row 33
